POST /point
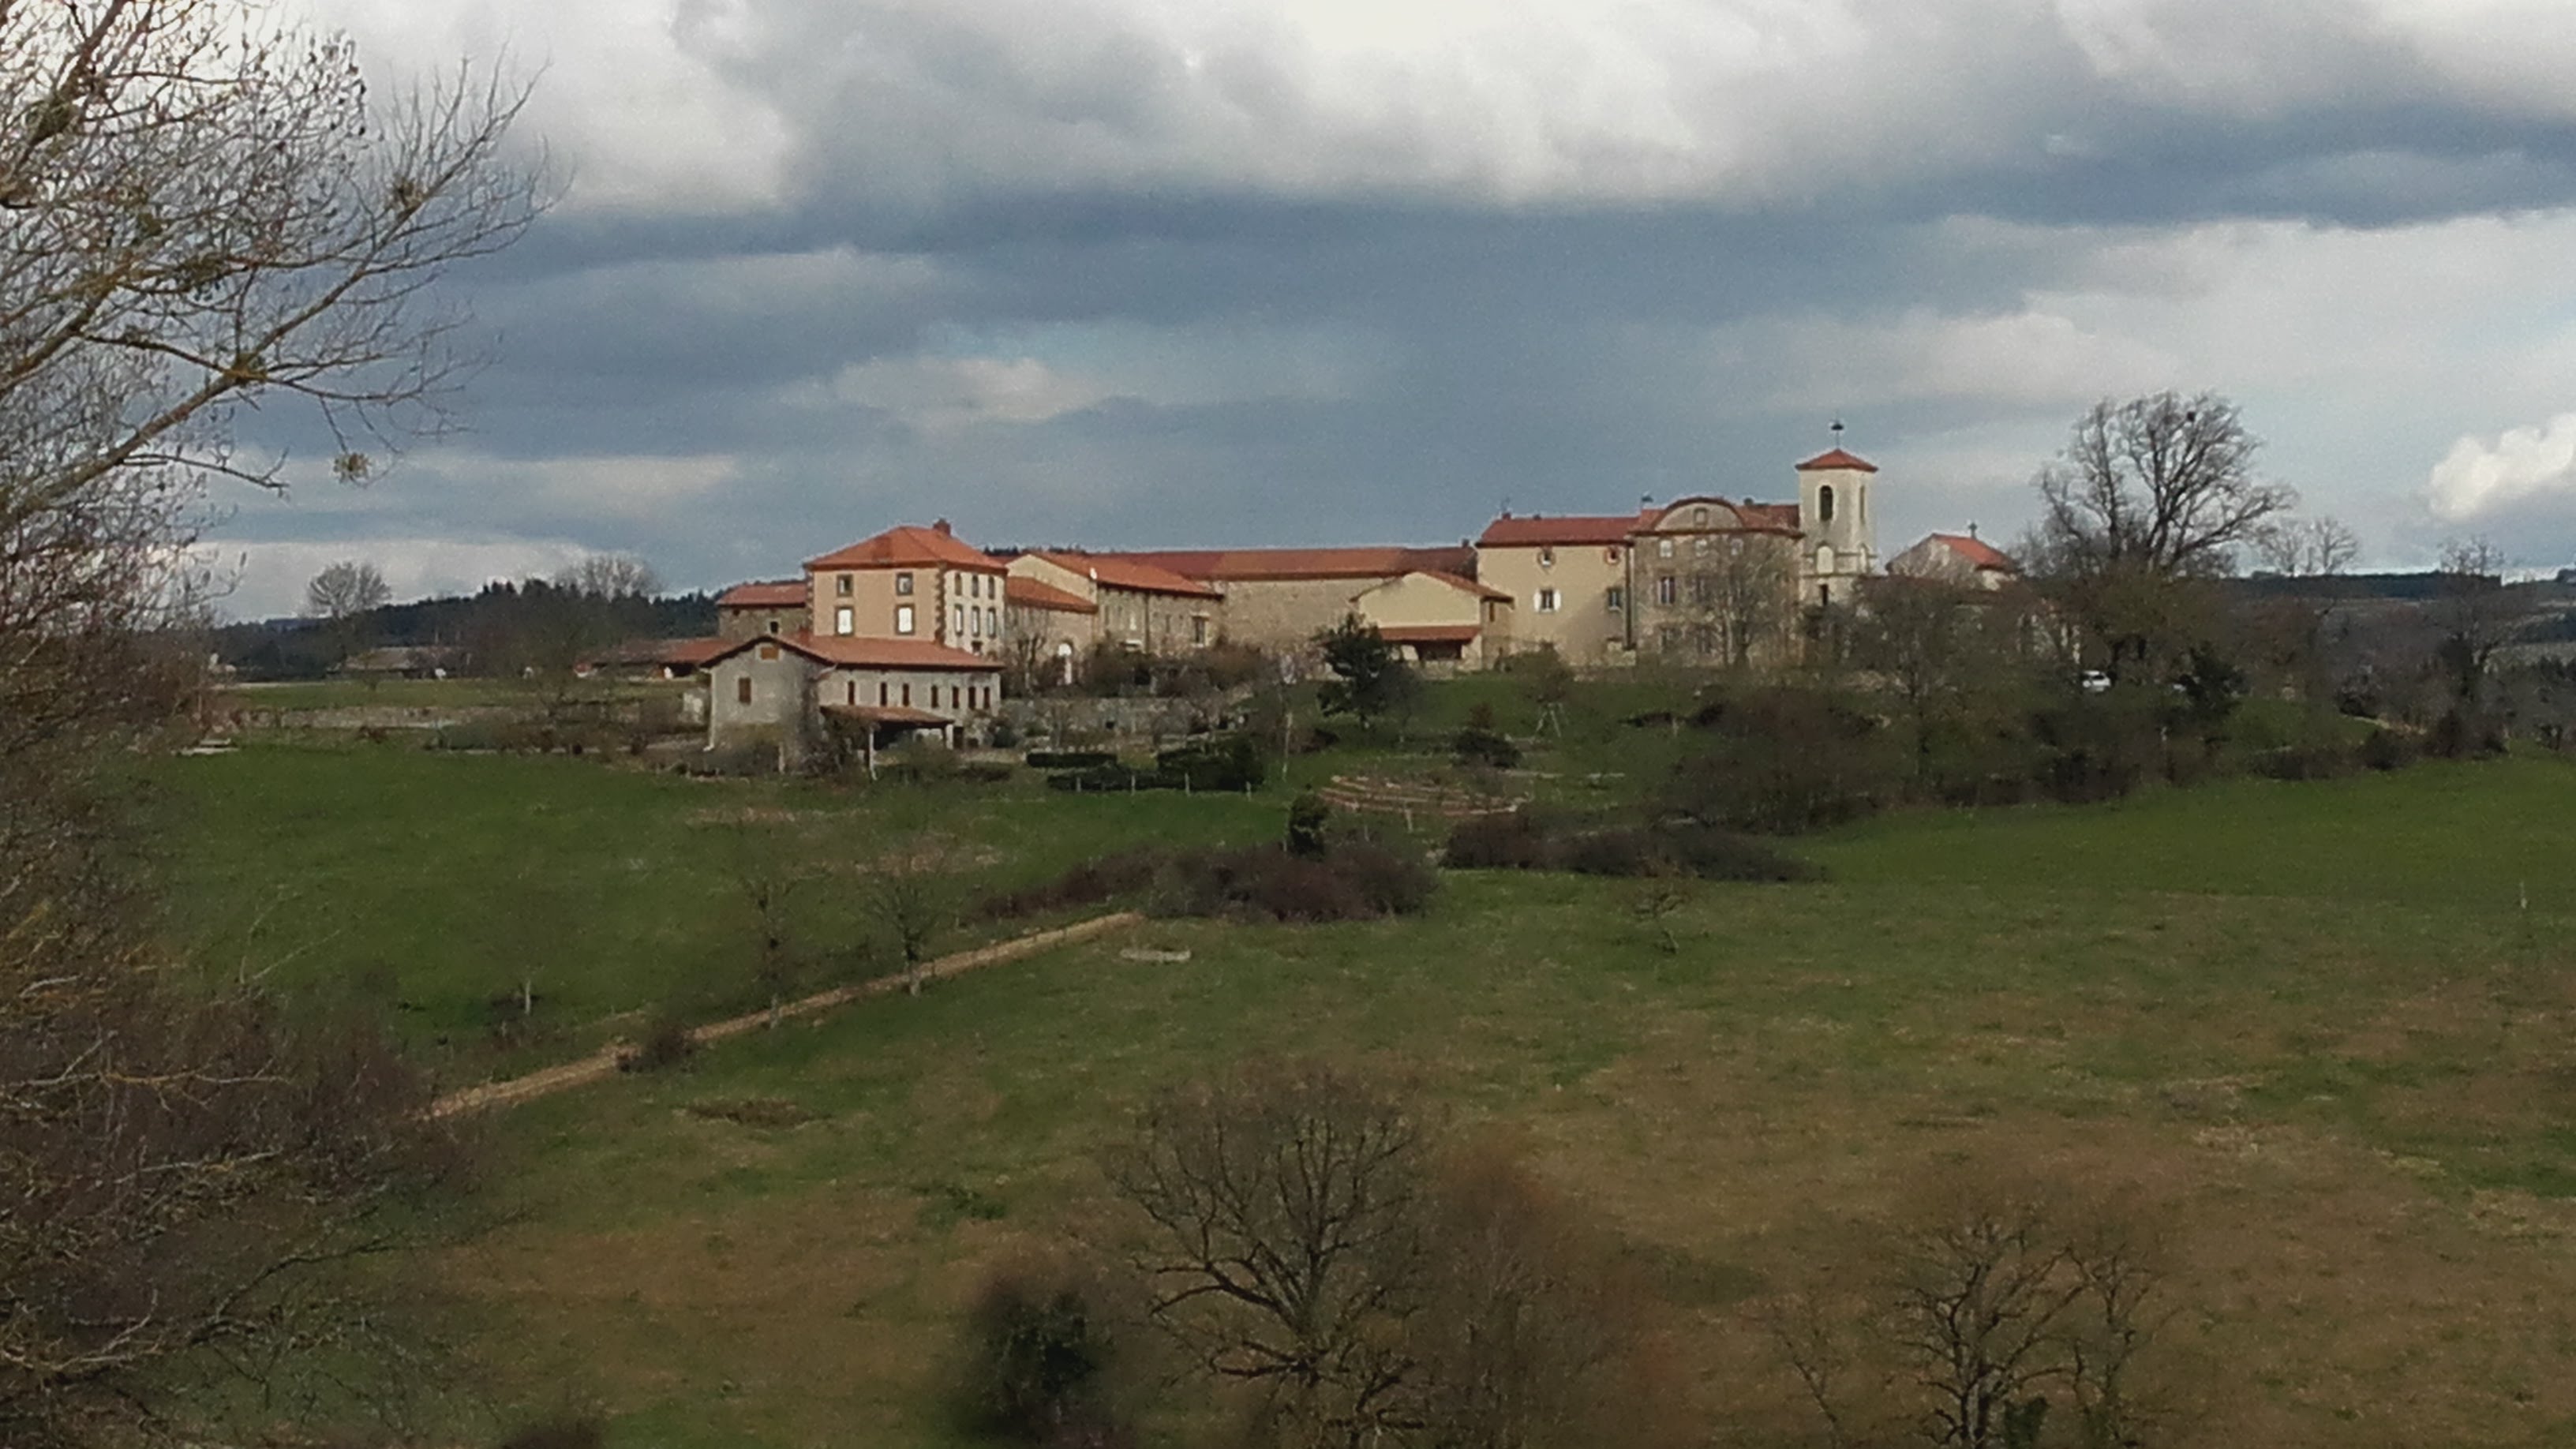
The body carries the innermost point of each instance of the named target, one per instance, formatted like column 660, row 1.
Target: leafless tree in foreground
column 2001, row 1310
column 1306, row 1236
column 199, row 212
column 1287, row 1242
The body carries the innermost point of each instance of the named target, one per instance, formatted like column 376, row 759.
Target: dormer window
column 1699, row 516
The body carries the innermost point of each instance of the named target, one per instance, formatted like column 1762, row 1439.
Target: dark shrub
column 1219, row 762
column 1036, row 1362
column 2388, row 749
column 1267, row 882
column 1476, row 746
column 1392, row 884
column 666, row 1044
column 1782, row 760
column 1308, row 816
column 1091, row 883
column 1524, row 840
column 2460, row 734
column 1722, row 855
column 1518, row 840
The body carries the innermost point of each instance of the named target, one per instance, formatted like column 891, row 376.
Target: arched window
column 1825, row 504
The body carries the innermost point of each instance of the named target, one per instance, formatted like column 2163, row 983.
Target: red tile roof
column 860, row 651
column 1570, row 529
column 1978, row 552
column 1028, row 593
column 764, row 594
column 909, row 547
column 1739, row 517
column 1837, row 458
column 1429, row 634
column 1247, row 565
column 1465, row 584
column 691, row 653
column 1127, row 571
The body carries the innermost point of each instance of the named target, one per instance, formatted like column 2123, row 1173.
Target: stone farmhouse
column 912, row 630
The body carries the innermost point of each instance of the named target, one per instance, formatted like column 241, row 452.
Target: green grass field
column 2327, row 1031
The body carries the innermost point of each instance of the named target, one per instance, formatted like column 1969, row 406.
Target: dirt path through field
column 603, row 1063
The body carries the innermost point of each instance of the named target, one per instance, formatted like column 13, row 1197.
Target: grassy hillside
column 2314, row 1027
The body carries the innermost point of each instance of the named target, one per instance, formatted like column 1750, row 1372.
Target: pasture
column 2326, row 1032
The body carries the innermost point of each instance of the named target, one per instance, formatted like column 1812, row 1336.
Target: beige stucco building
column 1141, row 607
column 1702, row 577
column 909, row 583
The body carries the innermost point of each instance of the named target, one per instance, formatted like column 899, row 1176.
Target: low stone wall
column 1068, row 718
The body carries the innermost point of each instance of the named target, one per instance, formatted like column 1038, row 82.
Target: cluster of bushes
column 1527, row 839
column 1786, row 759
column 1346, row 881
column 1127, row 873
column 1231, row 762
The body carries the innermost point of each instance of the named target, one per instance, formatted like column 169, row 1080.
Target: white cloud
column 718, row 105
column 633, row 95
column 2478, row 478
column 944, row 393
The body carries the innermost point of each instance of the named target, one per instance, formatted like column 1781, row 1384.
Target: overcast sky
column 1235, row 272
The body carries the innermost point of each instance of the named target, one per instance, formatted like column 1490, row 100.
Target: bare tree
column 1930, row 643
column 610, row 577
column 1285, row 1242
column 2149, row 494
column 2163, row 485
column 199, row 213
column 346, row 588
column 2477, row 615
column 1979, row 1292
column 767, row 881
column 2314, row 547
column 341, row 596
column 910, row 894
column 1531, row 1334
column 1738, row 599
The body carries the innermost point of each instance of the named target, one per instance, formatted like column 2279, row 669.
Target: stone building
column 1702, row 577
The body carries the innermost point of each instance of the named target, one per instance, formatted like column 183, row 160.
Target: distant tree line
column 506, row 627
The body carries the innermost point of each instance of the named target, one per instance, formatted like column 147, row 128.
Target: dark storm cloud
column 1094, row 271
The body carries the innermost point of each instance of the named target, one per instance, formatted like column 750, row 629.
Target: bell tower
column 1837, row 537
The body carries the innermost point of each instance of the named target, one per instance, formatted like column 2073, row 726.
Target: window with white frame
column 844, row 620
column 1547, row 601
column 903, row 618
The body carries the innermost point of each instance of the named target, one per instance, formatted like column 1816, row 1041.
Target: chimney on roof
column 1972, row 528
column 940, row 527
